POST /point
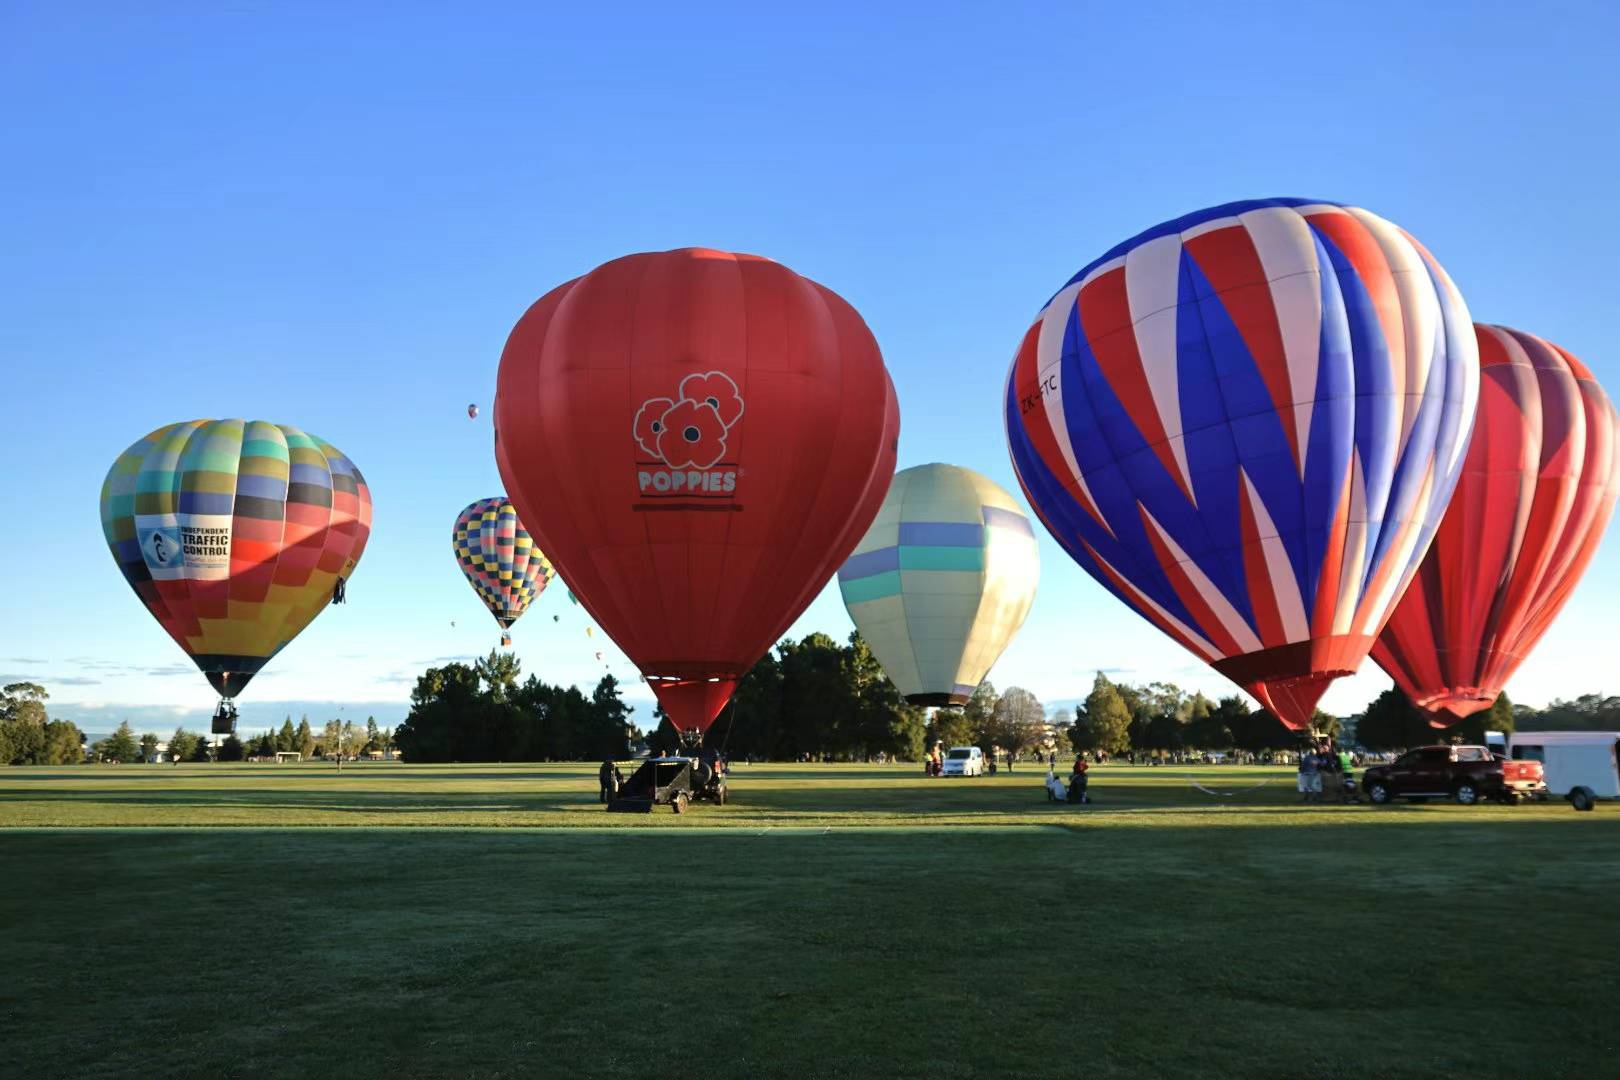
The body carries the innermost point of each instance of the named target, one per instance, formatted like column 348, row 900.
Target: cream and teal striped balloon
column 942, row 581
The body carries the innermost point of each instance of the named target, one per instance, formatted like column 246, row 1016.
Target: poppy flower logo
column 714, row 388
column 650, row 424
column 690, row 431
column 693, row 435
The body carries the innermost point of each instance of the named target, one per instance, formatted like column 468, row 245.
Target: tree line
column 1160, row 719
column 480, row 712
column 1392, row 722
column 28, row 736
column 811, row 698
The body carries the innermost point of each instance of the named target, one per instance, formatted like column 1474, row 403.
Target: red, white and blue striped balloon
column 1246, row 424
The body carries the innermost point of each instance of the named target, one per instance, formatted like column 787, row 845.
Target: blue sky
column 331, row 216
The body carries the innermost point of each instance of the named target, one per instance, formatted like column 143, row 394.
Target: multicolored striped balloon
column 1246, row 424
column 1538, row 487
column 942, row 581
column 500, row 560
column 235, row 534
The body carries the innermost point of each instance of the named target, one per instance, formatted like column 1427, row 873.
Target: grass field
column 832, row 921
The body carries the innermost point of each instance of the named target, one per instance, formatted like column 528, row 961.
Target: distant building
column 1347, row 728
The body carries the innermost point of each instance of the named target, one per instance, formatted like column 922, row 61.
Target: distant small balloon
column 599, row 656
column 472, row 412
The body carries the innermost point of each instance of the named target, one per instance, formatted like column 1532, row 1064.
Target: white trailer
column 1581, row 766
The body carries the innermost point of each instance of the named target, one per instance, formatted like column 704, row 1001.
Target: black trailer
column 675, row 782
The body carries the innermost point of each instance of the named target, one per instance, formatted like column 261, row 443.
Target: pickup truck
column 1465, row 773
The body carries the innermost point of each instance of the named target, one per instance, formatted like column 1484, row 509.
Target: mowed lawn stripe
column 1174, row 940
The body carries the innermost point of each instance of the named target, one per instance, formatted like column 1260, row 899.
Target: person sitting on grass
column 1055, row 790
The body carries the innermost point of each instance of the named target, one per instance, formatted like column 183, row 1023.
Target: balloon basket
column 224, row 719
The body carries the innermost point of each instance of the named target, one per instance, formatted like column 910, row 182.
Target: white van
column 964, row 761
column 1581, row 766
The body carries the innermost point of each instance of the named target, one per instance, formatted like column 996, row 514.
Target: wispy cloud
column 48, row 681
column 20, row 660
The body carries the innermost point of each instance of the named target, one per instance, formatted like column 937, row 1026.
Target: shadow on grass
column 548, row 953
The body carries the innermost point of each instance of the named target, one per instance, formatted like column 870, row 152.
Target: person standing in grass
column 1327, row 767
column 609, row 778
column 1310, row 781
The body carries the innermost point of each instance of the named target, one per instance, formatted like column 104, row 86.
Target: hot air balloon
column 472, row 412
column 500, row 560
column 1246, row 423
column 942, row 581
column 699, row 439
column 235, row 534
column 1537, row 489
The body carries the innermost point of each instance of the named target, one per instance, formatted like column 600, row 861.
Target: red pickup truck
column 1465, row 773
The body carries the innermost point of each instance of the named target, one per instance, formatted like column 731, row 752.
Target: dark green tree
column 1106, row 722
column 63, row 744
column 1472, row 729
column 182, row 745
column 203, row 751
column 664, row 737
column 1209, row 732
column 121, row 745
column 1392, row 723
column 232, row 749
column 754, row 718
column 499, row 673
column 303, row 739
column 954, row 727
column 22, row 723
column 23, row 703
column 287, row 738
column 609, row 733
column 1589, row 712
column 1253, row 731
column 149, row 745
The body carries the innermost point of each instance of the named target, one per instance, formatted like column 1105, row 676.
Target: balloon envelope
column 697, row 440
column 942, row 581
column 234, row 535
column 1537, row 489
column 1245, row 423
column 499, row 558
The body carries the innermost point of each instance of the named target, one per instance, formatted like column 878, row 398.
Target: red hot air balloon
column 1537, row 488
column 698, row 440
